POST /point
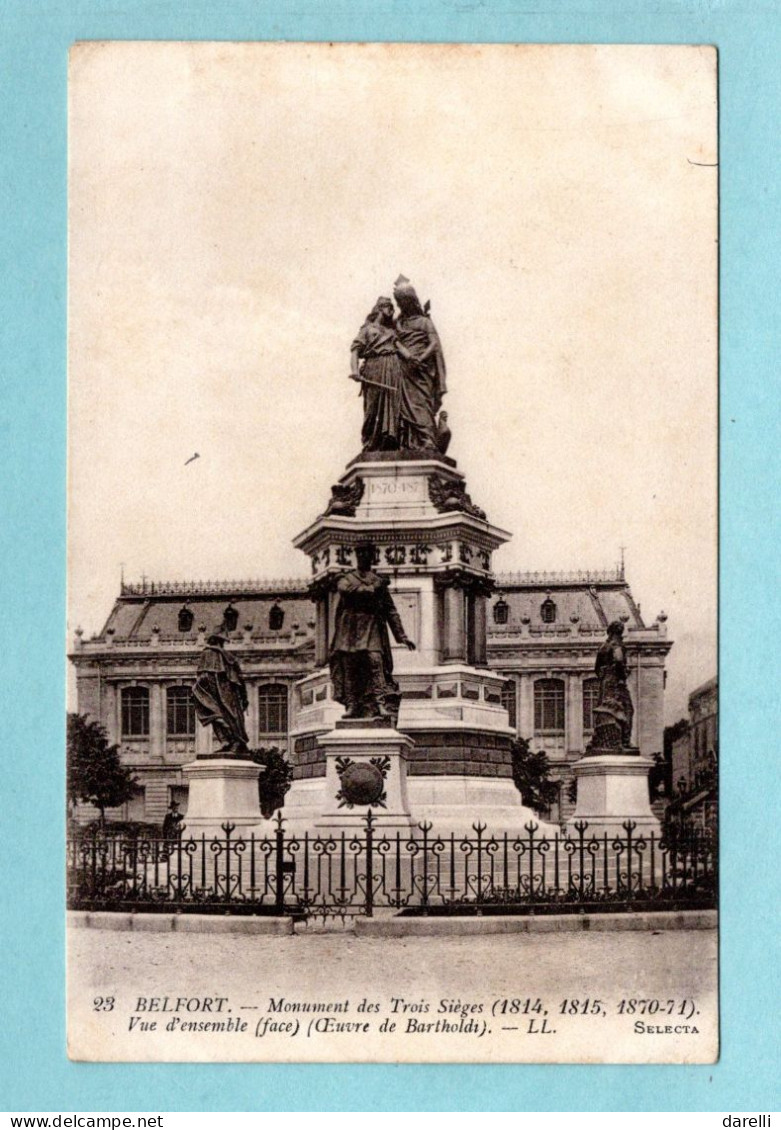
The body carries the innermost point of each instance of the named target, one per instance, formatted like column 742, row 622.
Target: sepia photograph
column 392, row 727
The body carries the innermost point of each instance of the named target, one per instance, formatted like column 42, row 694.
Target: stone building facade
column 543, row 633
column 695, row 760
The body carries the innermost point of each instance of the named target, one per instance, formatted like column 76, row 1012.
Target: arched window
column 501, row 611
column 185, row 618
column 276, row 618
column 509, row 701
column 180, row 712
column 549, row 706
column 548, row 611
column 230, row 618
column 590, row 695
column 135, row 712
column 272, row 709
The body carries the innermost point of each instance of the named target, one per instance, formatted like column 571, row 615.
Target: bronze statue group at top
column 400, row 366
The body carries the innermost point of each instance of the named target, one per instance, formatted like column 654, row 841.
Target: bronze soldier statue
column 220, row 695
column 360, row 657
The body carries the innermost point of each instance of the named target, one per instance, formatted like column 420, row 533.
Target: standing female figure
column 613, row 712
column 375, row 362
column 423, row 383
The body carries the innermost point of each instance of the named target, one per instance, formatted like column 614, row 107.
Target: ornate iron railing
column 410, row 872
column 573, row 577
column 146, row 587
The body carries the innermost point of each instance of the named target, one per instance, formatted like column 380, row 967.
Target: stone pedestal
column 222, row 790
column 366, row 768
column 435, row 546
column 613, row 788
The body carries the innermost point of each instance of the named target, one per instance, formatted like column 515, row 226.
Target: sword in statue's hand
column 374, row 384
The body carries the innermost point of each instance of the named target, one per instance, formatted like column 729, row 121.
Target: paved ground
column 335, row 971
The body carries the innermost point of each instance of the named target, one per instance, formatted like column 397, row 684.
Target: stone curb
column 179, row 923
column 535, row 924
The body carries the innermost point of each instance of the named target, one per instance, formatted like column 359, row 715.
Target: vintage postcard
column 393, row 705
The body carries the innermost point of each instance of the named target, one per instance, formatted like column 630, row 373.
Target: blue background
column 34, row 1071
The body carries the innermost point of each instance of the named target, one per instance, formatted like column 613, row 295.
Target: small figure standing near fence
column 173, row 822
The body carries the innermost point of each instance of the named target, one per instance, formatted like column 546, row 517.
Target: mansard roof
column 585, row 602
column 153, row 607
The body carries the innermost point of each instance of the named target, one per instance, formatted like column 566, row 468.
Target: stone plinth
column 222, row 790
column 613, row 788
column 366, row 768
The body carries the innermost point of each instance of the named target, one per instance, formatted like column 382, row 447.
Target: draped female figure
column 376, row 363
column 423, row 383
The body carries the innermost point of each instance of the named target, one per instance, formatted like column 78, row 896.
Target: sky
column 235, row 211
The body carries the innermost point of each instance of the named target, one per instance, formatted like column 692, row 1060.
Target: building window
column 272, row 709
column 135, row 712
column 590, row 696
column 548, row 611
column 509, row 701
column 180, row 712
column 276, row 618
column 549, row 706
column 185, row 618
column 501, row 611
column 230, row 618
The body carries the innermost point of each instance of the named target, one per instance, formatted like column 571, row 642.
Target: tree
column 274, row 783
column 531, row 776
column 95, row 772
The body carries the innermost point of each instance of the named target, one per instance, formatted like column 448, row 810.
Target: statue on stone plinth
column 423, row 383
column 375, row 362
column 360, row 656
column 613, row 712
column 220, row 695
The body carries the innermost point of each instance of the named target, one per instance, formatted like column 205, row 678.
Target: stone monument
column 223, row 783
column 401, row 545
column 612, row 777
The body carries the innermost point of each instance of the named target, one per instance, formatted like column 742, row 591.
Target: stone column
column 331, row 601
column 516, row 723
column 480, row 629
column 454, row 634
column 251, row 716
column 157, row 723
column 574, row 713
column 110, row 713
column 525, row 706
column 321, row 631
